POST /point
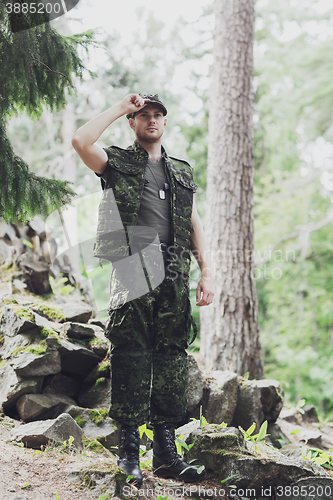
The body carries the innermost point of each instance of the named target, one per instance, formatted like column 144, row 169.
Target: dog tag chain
column 161, row 191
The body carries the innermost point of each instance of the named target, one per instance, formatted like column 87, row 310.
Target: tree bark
column 229, row 327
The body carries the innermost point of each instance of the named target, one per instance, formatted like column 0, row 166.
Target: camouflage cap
column 154, row 100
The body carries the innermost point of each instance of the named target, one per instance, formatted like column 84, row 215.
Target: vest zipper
column 167, row 170
column 142, row 188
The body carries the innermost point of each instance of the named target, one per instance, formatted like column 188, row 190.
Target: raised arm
column 205, row 288
column 86, row 136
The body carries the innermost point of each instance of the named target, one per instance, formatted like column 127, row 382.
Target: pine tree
column 37, row 68
column 229, row 328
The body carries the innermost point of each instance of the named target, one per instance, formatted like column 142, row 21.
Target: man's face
column 149, row 123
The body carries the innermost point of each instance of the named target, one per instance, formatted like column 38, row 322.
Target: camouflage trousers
column 149, row 370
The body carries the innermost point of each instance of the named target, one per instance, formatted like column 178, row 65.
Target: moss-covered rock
column 98, row 416
column 224, row 452
column 50, row 312
column 104, row 478
column 23, row 312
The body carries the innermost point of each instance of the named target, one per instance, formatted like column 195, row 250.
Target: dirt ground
column 27, row 474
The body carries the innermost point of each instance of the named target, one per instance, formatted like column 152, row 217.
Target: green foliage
column 293, row 111
column 202, row 419
column 182, row 445
column 37, row 68
column 68, row 444
column 255, row 438
column 61, row 286
column 143, row 429
column 320, row 457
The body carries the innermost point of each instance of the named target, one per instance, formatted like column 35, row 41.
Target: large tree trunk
column 229, row 327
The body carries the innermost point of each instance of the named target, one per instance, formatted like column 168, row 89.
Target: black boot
column 167, row 462
column 129, row 445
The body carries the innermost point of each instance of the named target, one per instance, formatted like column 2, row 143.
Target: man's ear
column 131, row 122
column 165, row 122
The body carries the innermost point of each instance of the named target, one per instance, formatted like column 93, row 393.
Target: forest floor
column 27, row 474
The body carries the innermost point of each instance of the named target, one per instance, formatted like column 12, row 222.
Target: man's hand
column 133, row 103
column 205, row 292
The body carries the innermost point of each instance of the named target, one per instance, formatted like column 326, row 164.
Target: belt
column 163, row 247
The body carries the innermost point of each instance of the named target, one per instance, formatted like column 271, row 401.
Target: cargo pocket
column 190, row 323
column 114, row 323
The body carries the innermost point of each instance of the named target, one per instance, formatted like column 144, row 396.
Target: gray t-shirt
column 155, row 212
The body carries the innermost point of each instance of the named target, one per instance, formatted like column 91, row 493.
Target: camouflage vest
column 118, row 209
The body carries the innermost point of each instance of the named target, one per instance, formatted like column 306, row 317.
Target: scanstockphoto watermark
column 258, row 257
column 294, row 492
column 256, row 273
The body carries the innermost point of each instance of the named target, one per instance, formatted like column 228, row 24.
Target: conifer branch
column 46, row 66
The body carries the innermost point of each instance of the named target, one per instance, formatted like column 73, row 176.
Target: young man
column 149, row 334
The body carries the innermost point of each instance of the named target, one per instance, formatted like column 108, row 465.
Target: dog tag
column 161, row 194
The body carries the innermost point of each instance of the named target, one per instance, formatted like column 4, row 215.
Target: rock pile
column 55, row 377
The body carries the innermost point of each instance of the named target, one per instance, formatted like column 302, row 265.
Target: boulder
column 40, row 433
column 224, row 452
column 106, row 479
column 195, row 389
column 79, row 331
column 6, row 253
column 257, row 401
column 61, row 384
column 49, row 311
column 7, row 231
column 16, row 319
column 35, row 273
column 77, row 359
column 292, row 450
column 18, row 284
column 76, row 313
column 314, row 488
column 12, row 386
column 32, row 407
column 220, row 398
column 101, row 370
column 96, row 424
column 97, row 322
column 100, row 347
column 97, row 395
column 185, row 430
column 13, row 345
column 275, row 436
column 310, row 414
column 50, row 326
column 36, row 227
column 33, row 365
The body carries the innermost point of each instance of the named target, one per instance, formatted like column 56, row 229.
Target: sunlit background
column 166, row 48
